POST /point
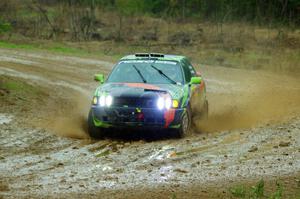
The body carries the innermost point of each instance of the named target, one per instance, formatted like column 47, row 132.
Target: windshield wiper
column 139, row 72
column 163, row 74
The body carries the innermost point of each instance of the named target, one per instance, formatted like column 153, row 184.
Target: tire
column 94, row 131
column 185, row 124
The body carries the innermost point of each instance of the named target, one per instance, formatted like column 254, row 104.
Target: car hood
column 140, row 89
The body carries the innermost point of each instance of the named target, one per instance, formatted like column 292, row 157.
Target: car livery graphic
column 154, row 91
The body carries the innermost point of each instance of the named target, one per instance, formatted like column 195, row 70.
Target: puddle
column 5, row 119
column 194, row 150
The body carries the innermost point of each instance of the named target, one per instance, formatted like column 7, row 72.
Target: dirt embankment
column 252, row 133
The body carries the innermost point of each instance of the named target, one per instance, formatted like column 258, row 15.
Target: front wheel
column 185, row 124
column 94, row 131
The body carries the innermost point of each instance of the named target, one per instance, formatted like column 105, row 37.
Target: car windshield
column 147, row 71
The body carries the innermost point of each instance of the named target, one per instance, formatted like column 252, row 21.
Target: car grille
column 134, row 102
column 128, row 115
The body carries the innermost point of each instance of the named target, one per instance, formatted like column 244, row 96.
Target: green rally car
column 151, row 91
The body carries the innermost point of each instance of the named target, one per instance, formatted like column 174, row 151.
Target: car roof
column 156, row 56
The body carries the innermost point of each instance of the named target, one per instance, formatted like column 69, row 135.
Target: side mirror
column 99, row 78
column 196, row 80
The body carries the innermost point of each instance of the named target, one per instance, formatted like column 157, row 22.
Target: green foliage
column 5, row 27
column 282, row 11
column 57, row 48
column 278, row 192
column 173, row 196
column 256, row 192
column 10, row 85
column 4, row 44
column 258, row 189
column 17, row 86
column 129, row 7
column 238, row 191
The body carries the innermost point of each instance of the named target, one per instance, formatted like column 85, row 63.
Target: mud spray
column 71, row 119
column 268, row 103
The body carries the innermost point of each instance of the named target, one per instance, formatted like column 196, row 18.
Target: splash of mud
column 267, row 103
column 71, row 120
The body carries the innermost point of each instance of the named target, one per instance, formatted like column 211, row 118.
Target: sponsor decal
column 148, row 62
column 169, row 117
column 142, row 85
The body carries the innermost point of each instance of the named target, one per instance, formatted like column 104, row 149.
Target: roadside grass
column 13, row 88
column 87, row 49
column 4, row 44
column 173, row 196
column 238, row 191
column 66, row 50
column 257, row 191
column 253, row 57
column 53, row 47
column 230, row 44
column 13, row 85
column 22, row 98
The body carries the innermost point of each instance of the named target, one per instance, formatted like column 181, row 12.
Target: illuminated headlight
column 168, row 103
column 108, row 100
column 164, row 103
column 102, row 100
column 160, row 103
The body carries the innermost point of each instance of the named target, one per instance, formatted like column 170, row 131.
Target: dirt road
column 253, row 132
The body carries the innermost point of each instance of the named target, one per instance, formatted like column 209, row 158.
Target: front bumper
column 136, row 117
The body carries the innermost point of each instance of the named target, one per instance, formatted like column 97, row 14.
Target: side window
column 191, row 68
column 187, row 71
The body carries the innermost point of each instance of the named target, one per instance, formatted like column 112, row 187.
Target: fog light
column 175, row 104
column 95, row 100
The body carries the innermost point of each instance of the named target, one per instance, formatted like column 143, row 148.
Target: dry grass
column 236, row 45
column 232, row 44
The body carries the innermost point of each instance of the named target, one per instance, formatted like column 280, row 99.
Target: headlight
column 168, row 103
column 108, row 100
column 164, row 103
column 103, row 100
column 160, row 103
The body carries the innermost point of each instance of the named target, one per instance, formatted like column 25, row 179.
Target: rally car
column 148, row 90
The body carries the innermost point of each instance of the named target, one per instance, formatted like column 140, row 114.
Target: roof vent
column 142, row 55
column 149, row 55
column 156, row 55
